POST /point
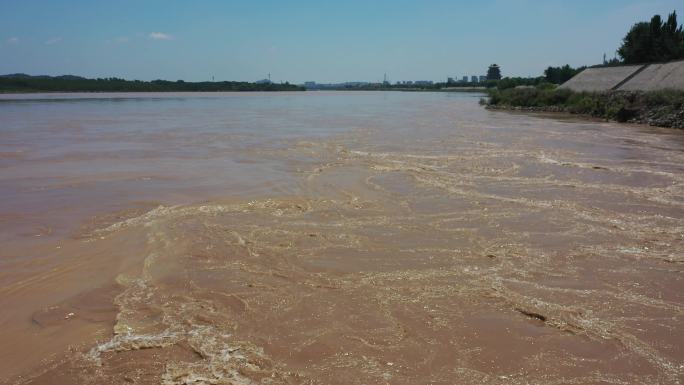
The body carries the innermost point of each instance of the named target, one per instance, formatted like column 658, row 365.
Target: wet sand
column 335, row 238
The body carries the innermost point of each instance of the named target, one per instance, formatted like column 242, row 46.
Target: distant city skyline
column 325, row 42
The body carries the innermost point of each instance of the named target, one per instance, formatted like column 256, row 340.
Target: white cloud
column 53, row 40
column 13, row 40
column 159, row 36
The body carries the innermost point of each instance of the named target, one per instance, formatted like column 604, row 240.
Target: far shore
column 451, row 89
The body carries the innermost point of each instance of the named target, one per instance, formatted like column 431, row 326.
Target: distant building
column 354, row 84
column 309, row 84
column 423, row 82
column 494, row 72
column 465, row 79
column 263, row 81
column 474, row 79
column 483, row 78
column 450, row 81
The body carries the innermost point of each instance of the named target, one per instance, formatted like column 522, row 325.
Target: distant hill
column 21, row 82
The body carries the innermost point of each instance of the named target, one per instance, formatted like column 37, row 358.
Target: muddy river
column 351, row 238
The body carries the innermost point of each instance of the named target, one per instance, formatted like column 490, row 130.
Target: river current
column 335, row 238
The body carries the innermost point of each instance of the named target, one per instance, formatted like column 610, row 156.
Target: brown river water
column 335, row 238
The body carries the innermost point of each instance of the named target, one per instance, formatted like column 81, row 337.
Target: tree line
column 26, row 83
column 654, row 41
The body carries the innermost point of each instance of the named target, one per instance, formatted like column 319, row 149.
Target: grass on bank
column 620, row 105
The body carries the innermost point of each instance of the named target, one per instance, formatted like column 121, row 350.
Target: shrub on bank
column 664, row 108
column 665, row 97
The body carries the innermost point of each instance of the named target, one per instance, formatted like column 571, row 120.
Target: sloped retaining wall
column 648, row 77
column 657, row 77
column 600, row 79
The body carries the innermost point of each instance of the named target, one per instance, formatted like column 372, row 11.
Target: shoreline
column 463, row 90
column 139, row 91
column 654, row 116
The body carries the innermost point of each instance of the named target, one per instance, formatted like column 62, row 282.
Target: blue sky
column 325, row 41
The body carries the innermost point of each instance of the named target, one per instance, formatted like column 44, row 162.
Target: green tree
column 653, row 41
column 494, row 72
column 560, row 75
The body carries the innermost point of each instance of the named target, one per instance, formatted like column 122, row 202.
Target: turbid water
column 335, row 238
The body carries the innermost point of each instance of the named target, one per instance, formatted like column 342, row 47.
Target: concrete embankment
column 646, row 77
column 600, row 79
column 657, row 77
